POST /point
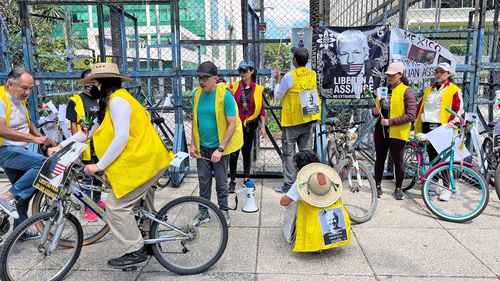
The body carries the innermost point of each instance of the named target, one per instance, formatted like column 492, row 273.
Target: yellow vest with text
column 308, row 234
column 144, row 155
column 236, row 141
column 4, row 97
column 257, row 98
column 397, row 109
column 80, row 117
column 446, row 101
column 291, row 112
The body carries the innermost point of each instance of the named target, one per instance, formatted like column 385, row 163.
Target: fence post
column 100, row 25
column 403, row 11
column 244, row 27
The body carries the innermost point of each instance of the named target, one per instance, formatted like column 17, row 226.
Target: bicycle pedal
column 130, row 268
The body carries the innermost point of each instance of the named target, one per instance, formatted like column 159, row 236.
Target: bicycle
column 175, row 240
column 360, row 193
column 445, row 176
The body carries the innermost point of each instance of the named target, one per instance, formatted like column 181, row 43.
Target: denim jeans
column 28, row 162
column 22, row 205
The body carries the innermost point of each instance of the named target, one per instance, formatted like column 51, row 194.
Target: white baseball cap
column 395, row 67
column 445, row 66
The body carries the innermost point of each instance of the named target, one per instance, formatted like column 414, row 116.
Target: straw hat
column 319, row 185
column 105, row 70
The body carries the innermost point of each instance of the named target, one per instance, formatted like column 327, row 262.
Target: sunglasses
column 244, row 70
column 203, row 78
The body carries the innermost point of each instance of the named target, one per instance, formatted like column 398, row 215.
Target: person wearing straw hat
column 396, row 112
column 131, row 154
column 321, row 222
column 443, row 93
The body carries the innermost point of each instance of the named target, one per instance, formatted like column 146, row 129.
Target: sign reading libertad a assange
column 351, row 59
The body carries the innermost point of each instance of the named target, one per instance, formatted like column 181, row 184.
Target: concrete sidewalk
column 402, row 242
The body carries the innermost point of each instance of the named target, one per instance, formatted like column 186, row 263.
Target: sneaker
column 445, row 195
column 227, row 217
column 249, row 184
column 29, row 235
column 9, row 206
column 4, row 223
column 398, row 194
column 232, row 187
column 89, row 215
column 201, row 218
column 101, row 204
column 281, row 189
column 129, row 259
column 379, row 191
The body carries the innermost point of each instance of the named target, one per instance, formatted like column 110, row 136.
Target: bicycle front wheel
column 462, row 203
column 359, row 191
column 32, row 259
column 194, row 235
column 411, row 167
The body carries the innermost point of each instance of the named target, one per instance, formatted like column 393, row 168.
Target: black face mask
column 94, row 92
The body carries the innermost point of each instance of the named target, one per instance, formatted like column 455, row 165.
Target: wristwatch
column 220, row 149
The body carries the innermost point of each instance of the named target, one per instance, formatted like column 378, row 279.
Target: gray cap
column 246, row 65
column 207, row 68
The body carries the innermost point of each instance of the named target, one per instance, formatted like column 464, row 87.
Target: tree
column 277, row 54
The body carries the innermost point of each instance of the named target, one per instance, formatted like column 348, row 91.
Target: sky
column 284, row 16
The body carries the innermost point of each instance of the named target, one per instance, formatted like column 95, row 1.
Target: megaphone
column 250, row 204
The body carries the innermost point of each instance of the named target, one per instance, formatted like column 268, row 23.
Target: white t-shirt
column 17, row 120
column 432, row 106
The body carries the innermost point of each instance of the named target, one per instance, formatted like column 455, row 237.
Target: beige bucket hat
column 105, row 70
column 319, row 185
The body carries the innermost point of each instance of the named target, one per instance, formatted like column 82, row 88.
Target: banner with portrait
column 419, row 55
column 350, row 59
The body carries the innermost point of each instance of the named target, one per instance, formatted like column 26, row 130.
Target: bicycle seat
column 421, row 137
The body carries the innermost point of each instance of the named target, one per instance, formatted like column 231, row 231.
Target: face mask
column 94, row 92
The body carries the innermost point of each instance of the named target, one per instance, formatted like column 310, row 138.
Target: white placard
column 441, row 139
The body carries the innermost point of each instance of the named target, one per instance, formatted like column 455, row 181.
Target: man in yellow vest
column 216, row 133
column 301, row 109
column 132, row 156
column 16, row 132
column 82, row 107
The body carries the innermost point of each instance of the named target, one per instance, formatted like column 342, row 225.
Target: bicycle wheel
column 466, row 202
column 92, row 231
column 30, row 260
column 359, row 194
column 411, row 167
column 194, row 247
column 497, row 181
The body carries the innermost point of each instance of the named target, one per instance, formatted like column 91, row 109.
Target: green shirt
column 207, row 122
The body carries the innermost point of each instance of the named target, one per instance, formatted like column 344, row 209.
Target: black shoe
column 379, row 191
column 28, row 236
column 129, row 259
column 4, row 223
column 232, row 187
column 398, row 194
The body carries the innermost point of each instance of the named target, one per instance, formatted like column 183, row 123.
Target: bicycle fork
column 355, row 164
column 59, row 223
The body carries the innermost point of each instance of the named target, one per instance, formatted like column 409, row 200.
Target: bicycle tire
column 13, row 237
column 497, row 181
column 156, row 249
column 471, row 172
column 414, row 165
column 373, row 190
column 36, row 207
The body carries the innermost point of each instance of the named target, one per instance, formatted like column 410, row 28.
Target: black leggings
column 396, row 147
column 246, row 151
column 427, row 127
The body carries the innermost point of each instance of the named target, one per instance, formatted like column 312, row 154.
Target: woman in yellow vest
column 130, row 153
column 81, row 107
column 441, row 94
column 249, row 99
column 320, row 221
column 396, row 112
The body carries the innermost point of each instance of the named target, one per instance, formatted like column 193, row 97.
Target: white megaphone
column 250, row 204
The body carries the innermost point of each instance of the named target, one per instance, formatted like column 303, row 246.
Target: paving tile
column 276, row 256
column 160, row 276
column 420, row 278
column 315, row 277
column 424, row 252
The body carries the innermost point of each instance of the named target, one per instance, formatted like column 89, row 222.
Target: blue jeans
column 28, row 162
column 22, row 205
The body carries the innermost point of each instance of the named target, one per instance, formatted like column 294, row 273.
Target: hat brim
column 105, row 75
column 315, row 200
column 442, row 68
column 391, row 72
column 205, row 74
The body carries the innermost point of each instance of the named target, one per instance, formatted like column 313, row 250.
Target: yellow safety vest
column 236, row 141
column 397, row 109
column 446, row 101
column 308, row 234
column 257, row 98
column 144, row 155
column 80, row 116
column 291, row 112
column 4, row 97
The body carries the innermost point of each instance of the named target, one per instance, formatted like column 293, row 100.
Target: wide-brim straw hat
column 105, row 70
column 319, row 193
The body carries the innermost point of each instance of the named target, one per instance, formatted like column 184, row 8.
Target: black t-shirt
column 91, row 107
